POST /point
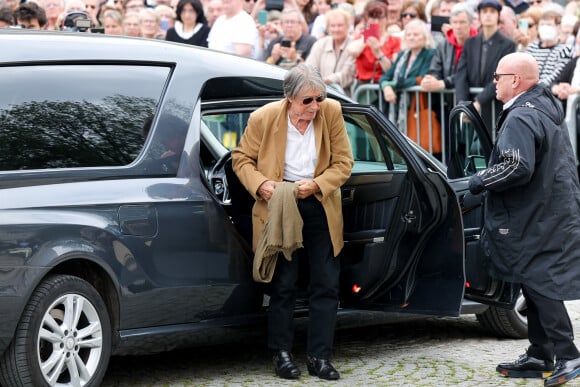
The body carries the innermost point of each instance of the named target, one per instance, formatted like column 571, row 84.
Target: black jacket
column 198, row 39
column 469, row 74
column 532, row 207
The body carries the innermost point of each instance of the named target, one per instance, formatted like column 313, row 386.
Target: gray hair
column 462, row 8
column 303, row 76
column 289, row 11
column 425, row 30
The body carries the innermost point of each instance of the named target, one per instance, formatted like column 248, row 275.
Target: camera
column 278, row 5
column 76, row 22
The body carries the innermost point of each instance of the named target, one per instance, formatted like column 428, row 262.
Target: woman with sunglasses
column 299, row 146
column 412, row 10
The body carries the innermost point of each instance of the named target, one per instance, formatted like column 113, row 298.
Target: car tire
column 509, row 323
column 64, row 325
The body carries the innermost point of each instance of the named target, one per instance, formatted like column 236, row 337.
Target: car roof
column 53, row 46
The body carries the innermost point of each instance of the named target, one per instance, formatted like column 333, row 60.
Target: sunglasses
column 309, row 100
column 497, row 76
column 409, row 14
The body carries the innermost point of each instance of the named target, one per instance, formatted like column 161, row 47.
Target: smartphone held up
column 371, row 29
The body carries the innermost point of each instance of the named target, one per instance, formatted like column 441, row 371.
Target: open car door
column 469, row 148
column 402, row 225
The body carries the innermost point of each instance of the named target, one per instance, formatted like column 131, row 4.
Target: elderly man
column 443, row 66
column 293, row 46
column 532, row 231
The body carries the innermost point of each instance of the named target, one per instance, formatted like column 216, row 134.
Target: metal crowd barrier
column 364, row 91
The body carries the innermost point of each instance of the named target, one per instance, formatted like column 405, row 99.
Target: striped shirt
column 551, row 60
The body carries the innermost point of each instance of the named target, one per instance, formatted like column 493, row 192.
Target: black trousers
column 324, row 271
column 549, row 328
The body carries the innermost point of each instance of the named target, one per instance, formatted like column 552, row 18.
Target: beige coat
column 260, row 156
column 339, row 70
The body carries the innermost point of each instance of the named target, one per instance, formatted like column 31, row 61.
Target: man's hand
column 430, row 83
column 266, row 189
column 306, row 188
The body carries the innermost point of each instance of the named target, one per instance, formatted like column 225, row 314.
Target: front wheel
column 63, row 337
column 505, row 322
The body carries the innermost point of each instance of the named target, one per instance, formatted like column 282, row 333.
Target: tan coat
column 260, row 156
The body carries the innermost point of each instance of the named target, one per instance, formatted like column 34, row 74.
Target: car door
column 469, row 148
column 402, row 225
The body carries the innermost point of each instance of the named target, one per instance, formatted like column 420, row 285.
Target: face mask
column 547, row 32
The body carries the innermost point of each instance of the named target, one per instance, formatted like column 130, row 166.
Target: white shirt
column 227, row 32
column 301, row 156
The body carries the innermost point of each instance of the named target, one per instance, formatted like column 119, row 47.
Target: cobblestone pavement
column 426, row 352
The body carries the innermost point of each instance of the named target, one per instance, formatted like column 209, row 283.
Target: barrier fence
column 372, row 91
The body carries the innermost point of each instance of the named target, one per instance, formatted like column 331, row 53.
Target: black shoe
column 322, row 368
column 285, row 366
column 565, row 371
column 526, row 367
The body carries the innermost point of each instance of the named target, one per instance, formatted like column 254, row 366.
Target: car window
column 366, row 149
column 65, row 116
column 468, row 151
column 228, row 128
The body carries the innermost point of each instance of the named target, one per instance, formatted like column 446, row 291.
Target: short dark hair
column 7, row 16
column 197, row 7
column 375, row 9
column 31, row 11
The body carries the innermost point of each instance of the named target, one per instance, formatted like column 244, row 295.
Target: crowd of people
column 353, row 42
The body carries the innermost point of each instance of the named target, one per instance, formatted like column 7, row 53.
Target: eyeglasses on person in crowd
column 409, row 14
column 309, row 100
column 497, row 76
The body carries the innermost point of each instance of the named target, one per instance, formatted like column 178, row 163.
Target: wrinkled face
column 415, row 37
column 337, row 27
column 507, row 25
column 112, row 27
column 149, row 25
column 301, row 111
column 291, row 26
column 131, row 26
column 460, row 25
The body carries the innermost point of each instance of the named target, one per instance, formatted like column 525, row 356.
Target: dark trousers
column 324, row 271
column 549, row 328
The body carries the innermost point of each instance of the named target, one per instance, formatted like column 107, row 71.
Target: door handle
column 347, row 195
